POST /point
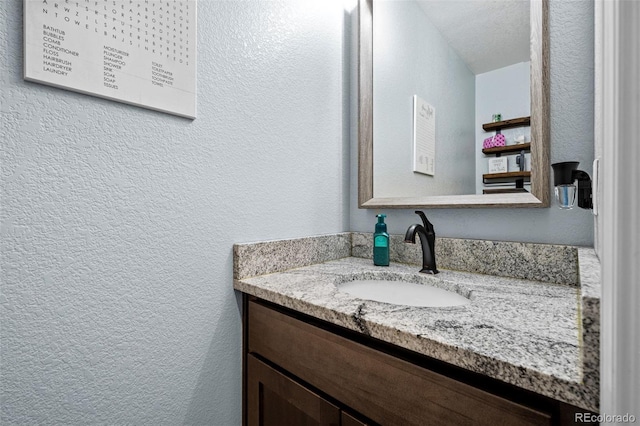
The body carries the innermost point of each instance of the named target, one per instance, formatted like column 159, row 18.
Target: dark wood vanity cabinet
column 301, row 371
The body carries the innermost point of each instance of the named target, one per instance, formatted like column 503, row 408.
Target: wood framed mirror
column 539, row 194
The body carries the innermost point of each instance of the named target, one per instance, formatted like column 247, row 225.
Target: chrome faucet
column 427, row 241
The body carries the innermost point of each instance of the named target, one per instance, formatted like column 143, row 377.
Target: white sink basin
column 402, row 293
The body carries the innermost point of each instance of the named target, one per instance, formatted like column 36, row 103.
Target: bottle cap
column 381, row 226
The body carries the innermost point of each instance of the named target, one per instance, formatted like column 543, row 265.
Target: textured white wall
column 118, row 222
column 411, row 57
column 571, row 37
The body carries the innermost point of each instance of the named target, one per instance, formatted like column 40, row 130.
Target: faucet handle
column 425, row 222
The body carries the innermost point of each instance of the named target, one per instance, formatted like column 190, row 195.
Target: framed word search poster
column 140, row 52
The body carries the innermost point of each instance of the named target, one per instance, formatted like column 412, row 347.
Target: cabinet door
column 275, row 400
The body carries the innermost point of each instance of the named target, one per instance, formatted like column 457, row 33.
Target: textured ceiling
column 487, row 34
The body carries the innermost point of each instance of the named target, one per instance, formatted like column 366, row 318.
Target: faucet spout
column 427, row 241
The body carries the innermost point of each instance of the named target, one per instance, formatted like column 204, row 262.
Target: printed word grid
column 141, row 52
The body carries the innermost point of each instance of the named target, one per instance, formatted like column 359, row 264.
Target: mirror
column 409, row 182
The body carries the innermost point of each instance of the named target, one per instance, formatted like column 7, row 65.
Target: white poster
column 141, row 52
column 424, row 137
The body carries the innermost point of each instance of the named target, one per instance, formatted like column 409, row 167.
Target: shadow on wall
column 219, row 386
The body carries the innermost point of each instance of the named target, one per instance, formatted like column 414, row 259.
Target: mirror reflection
column 442, row 70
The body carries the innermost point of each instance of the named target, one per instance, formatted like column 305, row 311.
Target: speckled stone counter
column 542, row 337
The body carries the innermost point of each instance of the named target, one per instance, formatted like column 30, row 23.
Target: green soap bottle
column 381, row 243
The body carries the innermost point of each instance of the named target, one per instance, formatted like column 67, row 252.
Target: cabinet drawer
column 386, row 389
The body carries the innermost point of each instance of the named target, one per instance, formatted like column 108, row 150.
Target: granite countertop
column 531, row 334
